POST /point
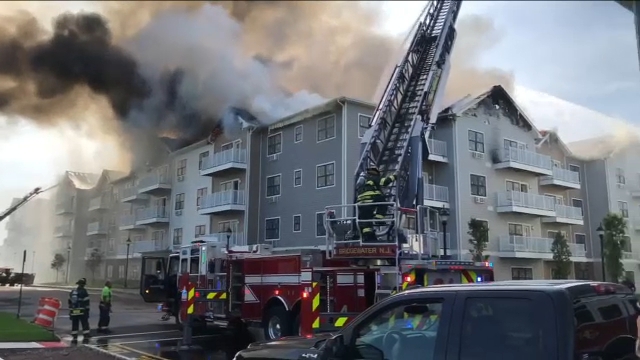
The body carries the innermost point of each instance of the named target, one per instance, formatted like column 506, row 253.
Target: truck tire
column 276, row 323
column 296, row 326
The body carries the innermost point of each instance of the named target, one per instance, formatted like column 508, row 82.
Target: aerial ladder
column 33, row 193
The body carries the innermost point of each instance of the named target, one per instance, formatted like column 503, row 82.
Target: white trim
column 345, row 132
column 581, row 204
column 281, row 143
column 305, row 276
column 315, row 224
column 620, row 210
column 486, row 185
column 301, row 134
column 533, row 276
column 267, row 185
column 279, row 228
column 484, row 142
column 334, row 175
column 293, row 225
column 370, row 118
column 294, row 177
column 555, row 198
column 335, row 130
column 287, row 279
column 239, row 180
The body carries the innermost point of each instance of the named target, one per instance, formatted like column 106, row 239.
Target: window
column 296, row 223
column 109, row 271
column 272, row 229
column 364, row 123
column 182, row 168
column 478, row 185
column 415, row 320
column 517, row 186
column 201, row 230
column 121, row 272
column 624, row 209
column 518, row 273
column 580, row 239
column 510, row 144
column 326, row 128
column 179, row 201
column 112, row 244
column 201, row 158
column 177, row 236
column 273, row 185
column 516, row 230
column 200, row 194
column 274, row 144
column 506, row 328
column 476, row 141
column 320, row 229
column 324, row 175
column 575, row 168
column 297, row 134
column 551, row 234
column 297, row 178
column 577, row 203
column 620, row 179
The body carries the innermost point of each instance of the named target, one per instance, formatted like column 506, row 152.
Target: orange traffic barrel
column 47, row 312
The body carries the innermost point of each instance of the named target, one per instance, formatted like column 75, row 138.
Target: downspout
column 246, row 187
column 343, row 102
column 456, row 184
column 259, row 220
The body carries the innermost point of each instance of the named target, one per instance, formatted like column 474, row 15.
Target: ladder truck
column 304, row 292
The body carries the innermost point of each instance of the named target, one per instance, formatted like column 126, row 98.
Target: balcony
column 152, row 215
column 61, row 231
column 525, row 160
column 437, row 150
column 436, row 196
column 99, row 203
column 137, row 247
column 525, row 203
column 96, row 228
column 566, row 215
column 529, row 247
column 222, row 201
column 65, row 207
column 630, row 255
column 155, row 182
column 562, row 178
column 89, row 251
column 236, row 239
column 225, row 160
column 128, row 222
column 132, row 195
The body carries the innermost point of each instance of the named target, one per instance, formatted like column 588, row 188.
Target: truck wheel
column 297, row 331
column 276, row 323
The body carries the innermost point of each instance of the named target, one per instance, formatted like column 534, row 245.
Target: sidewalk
column 32, row 345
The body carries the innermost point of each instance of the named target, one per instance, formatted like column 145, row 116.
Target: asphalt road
column 137, row 330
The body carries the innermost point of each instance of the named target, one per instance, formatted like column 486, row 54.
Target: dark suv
column 520, row 320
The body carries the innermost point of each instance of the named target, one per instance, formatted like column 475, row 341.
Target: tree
column 561, row 257
column 94, row 261
column 615, row 231
column 479, row 232
column 57, row 263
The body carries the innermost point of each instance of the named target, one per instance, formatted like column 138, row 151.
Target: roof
column 516, row 285
column 600, row 147
column 81, row 180
column 552, row 134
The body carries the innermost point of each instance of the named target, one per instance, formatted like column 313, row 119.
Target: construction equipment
column 33, row 193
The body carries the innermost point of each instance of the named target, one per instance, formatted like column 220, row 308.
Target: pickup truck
column 520, row 320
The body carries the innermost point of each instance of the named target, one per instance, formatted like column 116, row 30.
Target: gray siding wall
column 597, row 186
column 255, row 157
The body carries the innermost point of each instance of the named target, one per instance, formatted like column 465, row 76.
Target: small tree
column 93, row 262
column 479, row 232
column 615, row 230
column 561, row 257
column 57, row 263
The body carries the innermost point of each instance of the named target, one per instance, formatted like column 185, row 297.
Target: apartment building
column 494, row 165
column 613, row 179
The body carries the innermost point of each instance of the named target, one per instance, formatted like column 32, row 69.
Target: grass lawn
column 12, row 329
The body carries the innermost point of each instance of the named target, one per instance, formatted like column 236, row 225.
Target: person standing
column 105, row 308
column 79, row 303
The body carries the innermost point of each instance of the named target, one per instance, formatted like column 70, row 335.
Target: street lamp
column 68, row 260
column 600, row 232
column 126, row 263
column 229, row 233
column 33, row 261
column 444, row 217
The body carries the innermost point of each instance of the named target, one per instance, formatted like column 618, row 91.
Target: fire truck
column 311, row 290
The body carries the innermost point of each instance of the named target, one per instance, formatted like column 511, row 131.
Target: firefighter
column 79, row 312
column 369, row 190
column 105, row 308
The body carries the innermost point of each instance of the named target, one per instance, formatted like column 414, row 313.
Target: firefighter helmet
column 373, row 170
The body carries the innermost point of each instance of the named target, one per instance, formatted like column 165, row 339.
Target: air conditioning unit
column 274, row 199
column 180, row 178
column 178, row 212
column 479, row 199
column 477, row 155
column 273, row 157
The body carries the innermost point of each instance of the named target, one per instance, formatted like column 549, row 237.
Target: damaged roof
column 545, row 135
column 316, row 110
column 81, row 180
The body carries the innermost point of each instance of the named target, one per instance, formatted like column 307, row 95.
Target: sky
column 575, row 63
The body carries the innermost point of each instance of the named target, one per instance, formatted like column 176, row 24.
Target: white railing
column 437, row 147
column 630, row 255
column 526, row 200
column 526, row 157
column 225, row 157
column 62, row 230
column 436, row 193
column 152, row 213
column 96, row 226
column 89, row 251
column 517, row 243
column 127, row 220
column 158, row 177
column 235, row 239
column 564, row 175
column 129, row 192
column 140, row 246
column 97, row 203
column 569, row 212
column 222, row 198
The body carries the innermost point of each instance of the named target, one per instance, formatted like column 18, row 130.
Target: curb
column 105, row 352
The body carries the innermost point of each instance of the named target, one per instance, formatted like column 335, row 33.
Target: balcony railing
column 127, row 220
column 98, row 203
column 96, row 227
column 564, row 175
column 236, row 239
column 225, row 157
column 526, row 157
column 140, row 246
column 64, row 207
column 437, row 147
column 223, row 198
column 129, row 192
column 154, row 212
column 530, row 244
column 62, row 230
column 526, row 200
column 155, row 179
column 569, row 212
column 436, row 193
